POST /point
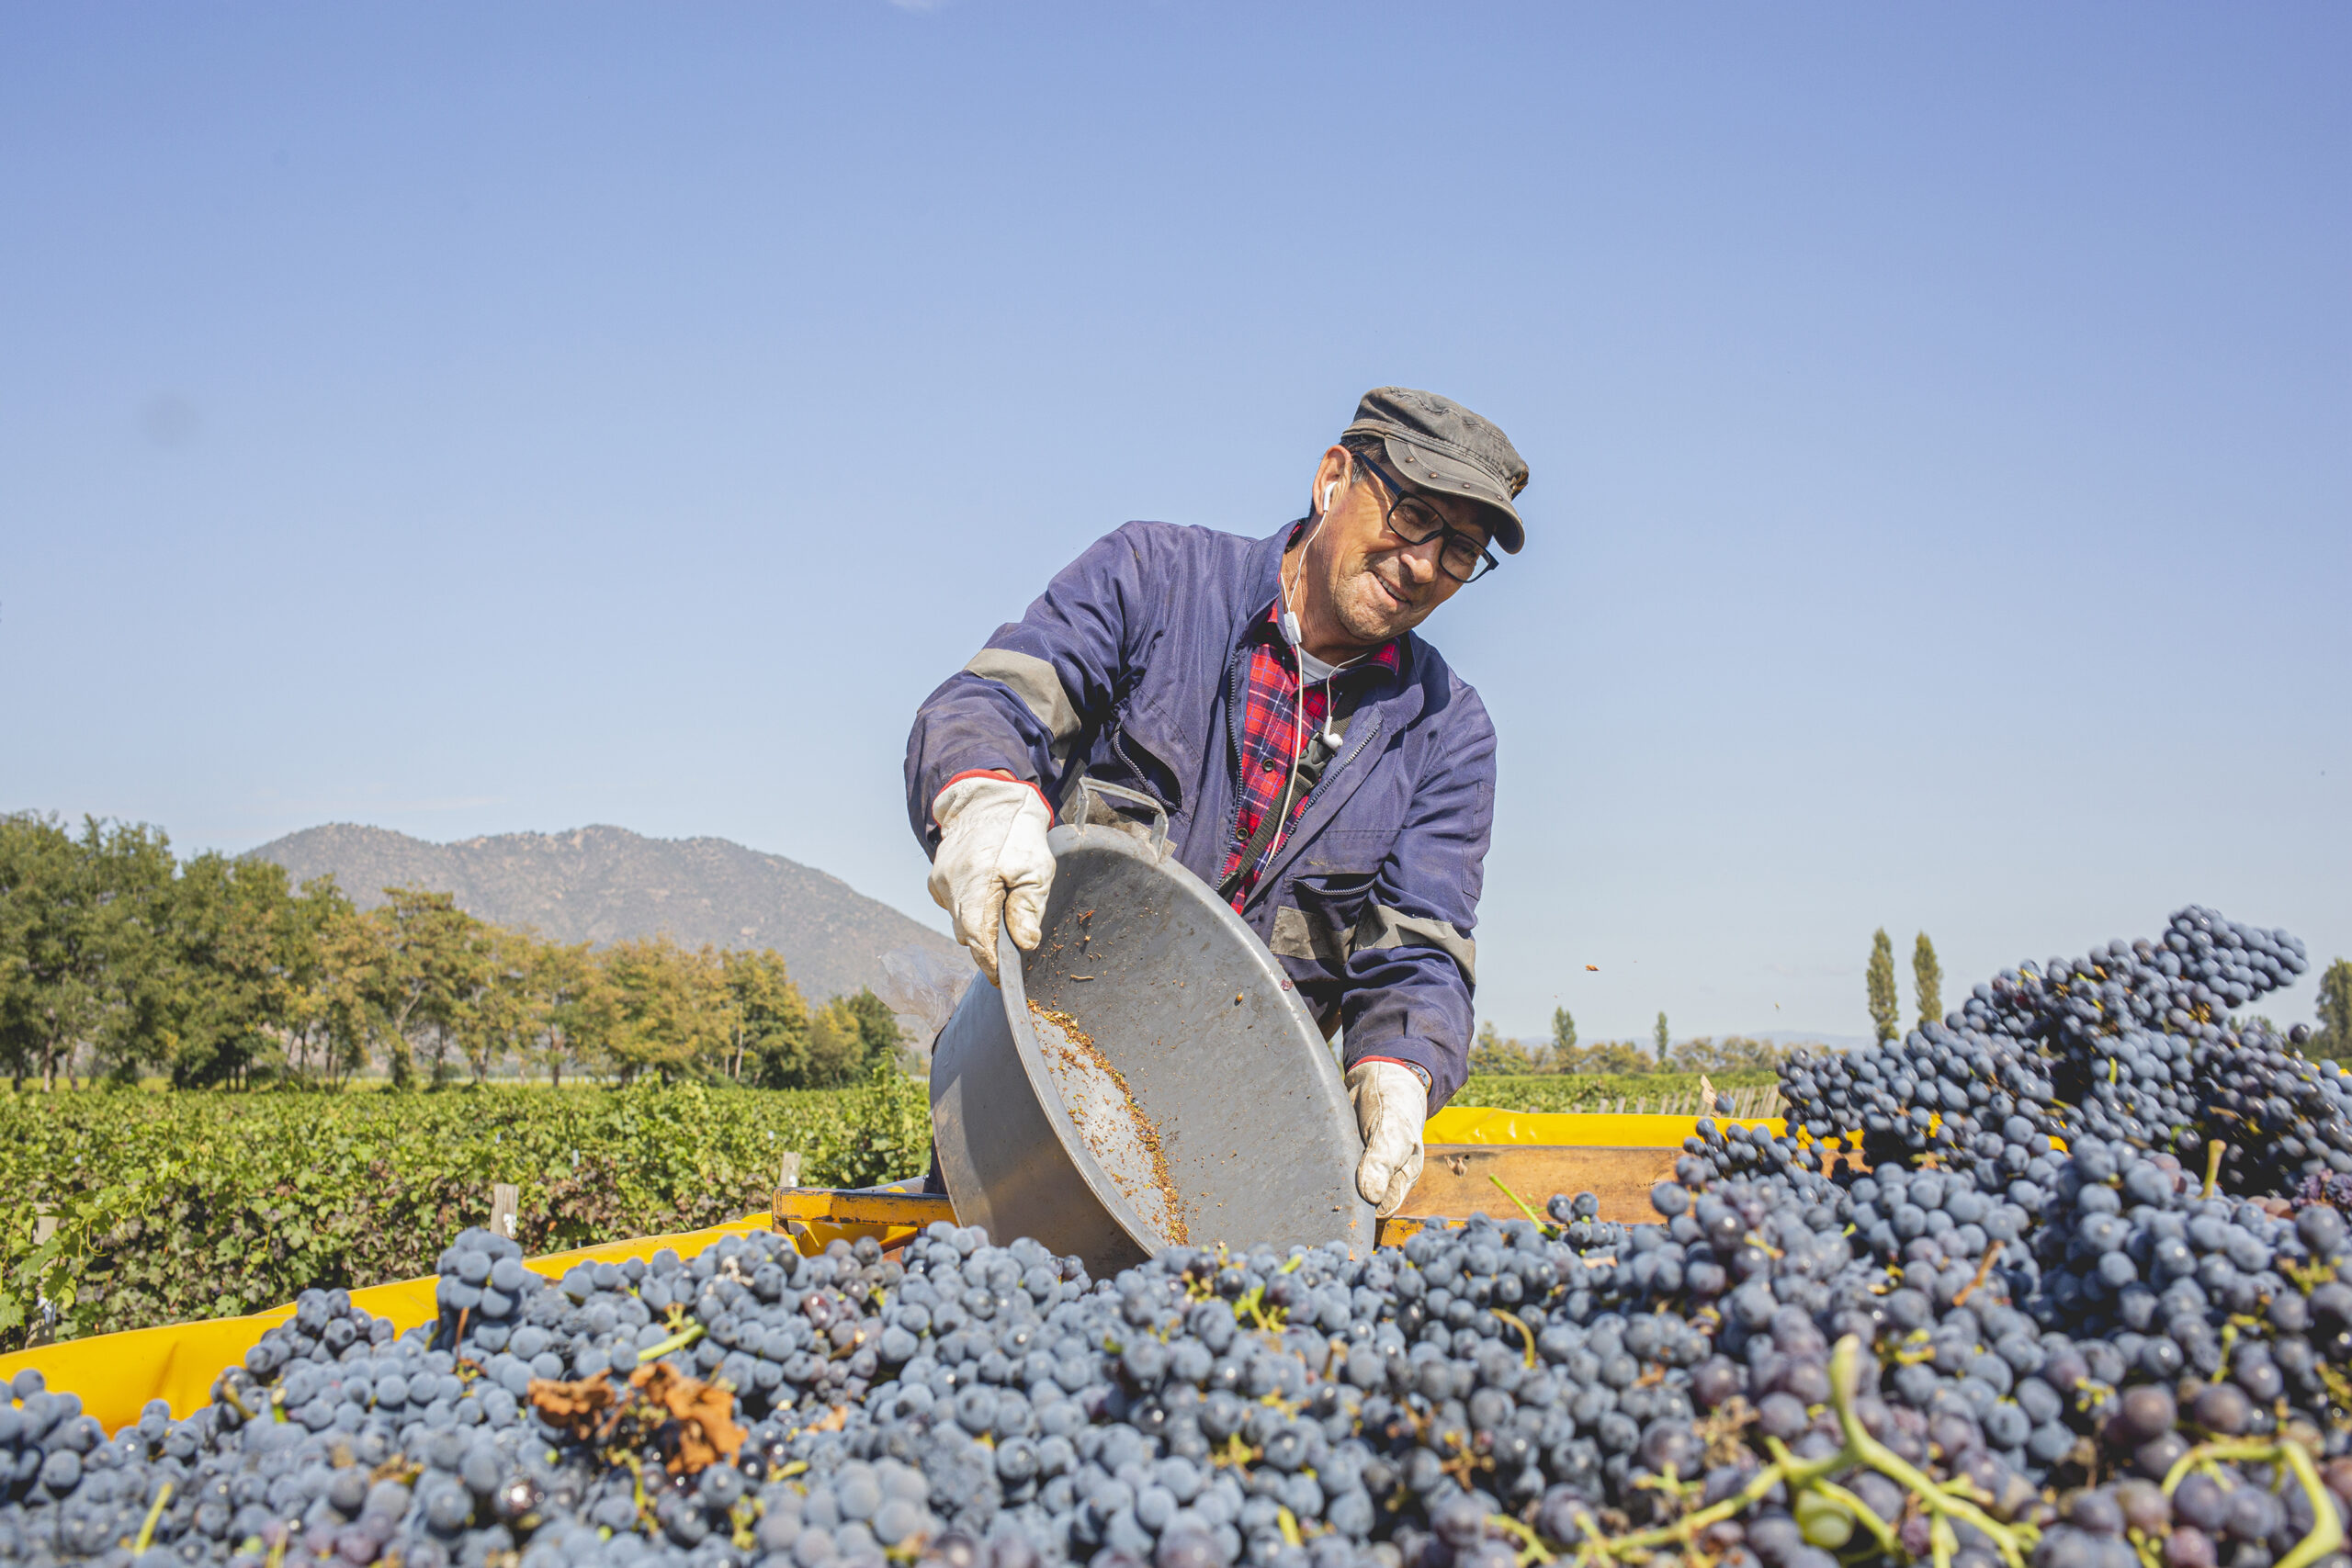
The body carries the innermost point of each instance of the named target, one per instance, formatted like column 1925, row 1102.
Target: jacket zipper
column 1356, row 744
column 1233, row 734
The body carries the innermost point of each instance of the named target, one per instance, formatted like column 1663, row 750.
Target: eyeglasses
column 1415, row 520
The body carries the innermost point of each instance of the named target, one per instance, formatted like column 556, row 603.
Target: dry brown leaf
column 693, row 1422
column 704, row 1412
column 579, row 1408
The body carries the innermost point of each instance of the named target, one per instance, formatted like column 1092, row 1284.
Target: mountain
column 602, row 884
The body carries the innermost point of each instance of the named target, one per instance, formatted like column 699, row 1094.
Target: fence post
column 505, row 1201
column 787, row 1168
column 42, row 1330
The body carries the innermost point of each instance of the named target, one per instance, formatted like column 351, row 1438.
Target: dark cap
column 1441, row 449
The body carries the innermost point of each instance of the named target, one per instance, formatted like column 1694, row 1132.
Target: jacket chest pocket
column 1140, row 751
column 1329, row 893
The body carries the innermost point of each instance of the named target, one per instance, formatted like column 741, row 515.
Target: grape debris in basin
column 1124, row 1140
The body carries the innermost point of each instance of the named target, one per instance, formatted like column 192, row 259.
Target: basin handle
column 1126, row 796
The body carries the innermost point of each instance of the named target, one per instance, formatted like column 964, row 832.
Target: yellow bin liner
column 116, row 1374
column 1581, row 1129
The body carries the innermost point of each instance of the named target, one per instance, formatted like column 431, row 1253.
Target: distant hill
column 602, row 884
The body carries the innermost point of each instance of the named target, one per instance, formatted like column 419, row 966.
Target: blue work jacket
column 1129, row 667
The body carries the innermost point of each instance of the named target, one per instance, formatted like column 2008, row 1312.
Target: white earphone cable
column 1291, row 634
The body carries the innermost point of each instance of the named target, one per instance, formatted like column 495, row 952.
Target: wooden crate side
column 1458, row 1179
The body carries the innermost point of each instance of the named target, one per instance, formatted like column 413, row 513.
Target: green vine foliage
column 171, row 1207
column 1597, row 1091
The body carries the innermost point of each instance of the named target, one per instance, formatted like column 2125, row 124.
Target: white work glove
column 1390, row 1105
column 992, row 863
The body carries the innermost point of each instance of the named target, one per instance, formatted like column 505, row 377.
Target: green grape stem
column 1943, row 1507
column 1541, row 1223
column 677, row 1341
column 2327, row 1530
column 147, row 1529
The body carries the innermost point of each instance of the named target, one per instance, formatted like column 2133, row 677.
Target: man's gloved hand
column 1390, row 1105
column 992, row 863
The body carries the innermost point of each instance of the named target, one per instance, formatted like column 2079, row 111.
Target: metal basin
column 1198, row 1044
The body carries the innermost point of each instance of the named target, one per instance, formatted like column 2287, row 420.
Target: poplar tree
column 1564, row 1032
column 1659, row 1034
column 2333, row 1041
column 1886, row 1009
column 1927, row 975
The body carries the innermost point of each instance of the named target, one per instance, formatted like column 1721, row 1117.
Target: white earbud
column 1289, row 617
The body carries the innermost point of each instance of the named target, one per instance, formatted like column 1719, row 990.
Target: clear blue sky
column 470, row 419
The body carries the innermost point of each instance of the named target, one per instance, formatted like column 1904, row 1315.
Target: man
column 1320, row 764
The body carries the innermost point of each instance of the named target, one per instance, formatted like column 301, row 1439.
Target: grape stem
column 1526, row 1334
column 1983, row 1272
column 677, row 1341
column 2327, row 1531
column 1523, row 1209
column 147, row 1531
column 1943, row 1507
column 1534, row 1551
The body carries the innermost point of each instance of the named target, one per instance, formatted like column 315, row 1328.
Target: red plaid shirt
column 1270, row 735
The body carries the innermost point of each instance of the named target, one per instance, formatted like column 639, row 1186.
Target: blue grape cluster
column 2082, row 1359
column 2133, row 1045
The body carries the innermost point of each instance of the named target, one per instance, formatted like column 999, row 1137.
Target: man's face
column 1374, row 586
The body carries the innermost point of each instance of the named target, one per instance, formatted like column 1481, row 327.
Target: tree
column 877, row 1030
column 359, row 997
column 508, row 1013
column 130, row 868
column 1928, row 980
column 1886, row 1008
column 770, row 1030
column 1732, row 1054
column 1611, row 1056
column 1490, row 1053
column 235, row 951
column 319, row 914
column 1563, row 1035
column 836, row 1050
column 51, row 985
column 666, row 1010
column 1664, row 1040
column 432, row 960
column 570, row 989
column 80, row 941
column 2333, row 1041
